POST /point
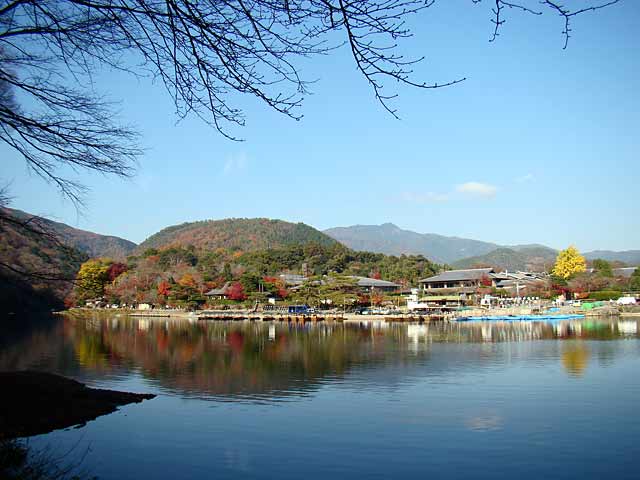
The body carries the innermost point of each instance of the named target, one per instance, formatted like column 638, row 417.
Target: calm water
column 254, row 400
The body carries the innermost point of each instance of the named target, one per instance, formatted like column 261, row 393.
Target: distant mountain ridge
column 630, row 257
column 392, row 240
column 525, row 258
column 245, row 234
column 460, row 252
column 90, row 243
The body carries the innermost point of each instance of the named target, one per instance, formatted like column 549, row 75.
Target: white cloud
column 235, row 163
column 526, row 178
column 477, row 189
column 428, row 197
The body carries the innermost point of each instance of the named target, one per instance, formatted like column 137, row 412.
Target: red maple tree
column 164, row 288
column 236, row 292
column 115, row 270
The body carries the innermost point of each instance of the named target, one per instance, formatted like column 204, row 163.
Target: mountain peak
column 390, row 239
column 390, row 226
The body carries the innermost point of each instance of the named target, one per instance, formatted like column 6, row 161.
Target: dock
column 296, row 318
column 267, row 317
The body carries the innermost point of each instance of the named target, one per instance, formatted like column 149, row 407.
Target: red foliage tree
column 376, row 275
column 164, row 288
column 485, row 281
column 376, row 298
column 364, row 299
column 236, row 292
column 115, row 270
column 558, row 289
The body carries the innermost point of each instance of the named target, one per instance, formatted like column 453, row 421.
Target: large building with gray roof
column 459, row 279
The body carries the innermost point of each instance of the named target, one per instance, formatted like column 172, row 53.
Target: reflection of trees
column 575, row 357
column 244, row 358
column 27, row 349
column 220, row 359
column 215, row 358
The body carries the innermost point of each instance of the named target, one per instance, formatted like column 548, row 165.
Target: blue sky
column 538, row 145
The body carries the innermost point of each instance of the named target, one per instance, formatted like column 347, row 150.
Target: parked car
column 301, row 309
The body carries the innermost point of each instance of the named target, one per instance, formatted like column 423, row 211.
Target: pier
column 243, row 315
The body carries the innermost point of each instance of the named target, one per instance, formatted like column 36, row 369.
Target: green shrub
column 604, row 295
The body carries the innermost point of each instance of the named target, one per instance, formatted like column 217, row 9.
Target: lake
column 358, row 400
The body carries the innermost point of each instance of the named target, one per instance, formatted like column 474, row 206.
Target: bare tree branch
column 204, row 52
column 499, row 5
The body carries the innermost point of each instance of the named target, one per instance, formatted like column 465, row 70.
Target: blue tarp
column 520, row 318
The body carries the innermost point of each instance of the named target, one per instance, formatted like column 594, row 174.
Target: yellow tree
column 568, row 263
column 92, row 278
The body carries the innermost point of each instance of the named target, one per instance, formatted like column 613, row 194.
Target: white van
column 626, row 301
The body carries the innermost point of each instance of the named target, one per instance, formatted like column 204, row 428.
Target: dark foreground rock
column 32, row 403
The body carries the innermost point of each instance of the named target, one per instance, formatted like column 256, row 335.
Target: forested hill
column 89, row 243
column 180, row 276
column 241, row 234
column 35, row 268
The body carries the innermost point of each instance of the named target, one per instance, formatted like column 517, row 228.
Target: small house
column 219, row 293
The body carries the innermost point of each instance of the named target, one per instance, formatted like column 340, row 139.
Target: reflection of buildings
column 628, row 327
column 417, row 334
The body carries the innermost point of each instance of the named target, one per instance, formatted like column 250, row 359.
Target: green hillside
column 240, row 234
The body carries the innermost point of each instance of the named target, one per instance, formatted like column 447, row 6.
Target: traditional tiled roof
column 624, row 271
column 375, row 283
column 459, row 275
column 293, row 278
column 456, row 290
column 219, row 291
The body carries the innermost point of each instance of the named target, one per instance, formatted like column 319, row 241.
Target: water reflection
column 575, row 358
column 267, row 360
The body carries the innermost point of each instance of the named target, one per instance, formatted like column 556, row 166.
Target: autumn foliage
column 115, row 270
column 569, row 263
column 236, row 292
column 164, row 288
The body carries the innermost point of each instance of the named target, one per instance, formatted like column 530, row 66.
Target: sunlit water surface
column 369, row 400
